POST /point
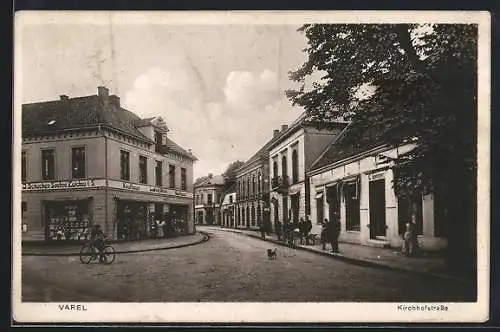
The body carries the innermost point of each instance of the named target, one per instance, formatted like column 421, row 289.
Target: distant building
column 87, row 160
column 356, row 182
column 227, row 208
column 207, row 198
column 252, row 188
column 291, row 156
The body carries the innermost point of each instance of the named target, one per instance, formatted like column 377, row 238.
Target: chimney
column 190, row 151
column 115, row 100
column 276, row 132
column 102, row 91
column 284, row 127
column 63, row 97
column 210, row 175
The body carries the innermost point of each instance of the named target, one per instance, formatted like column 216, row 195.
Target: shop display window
column 67, row 220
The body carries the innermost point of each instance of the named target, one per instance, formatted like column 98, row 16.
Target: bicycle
column 89, row 253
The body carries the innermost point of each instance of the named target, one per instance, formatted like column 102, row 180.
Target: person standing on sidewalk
column 302, row 230
column 307, row 229
column 335, row 232
column 325, row 233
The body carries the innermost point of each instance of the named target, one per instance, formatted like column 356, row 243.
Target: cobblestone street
column 229, row 267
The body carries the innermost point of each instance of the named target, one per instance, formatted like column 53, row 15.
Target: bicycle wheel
column 86, row 254
column 108, row 253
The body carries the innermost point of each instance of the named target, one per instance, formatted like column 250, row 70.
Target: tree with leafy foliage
column 230, row 173
column 407, row 83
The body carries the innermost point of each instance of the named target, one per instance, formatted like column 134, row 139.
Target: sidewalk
column 41, row 249
column 429, row 265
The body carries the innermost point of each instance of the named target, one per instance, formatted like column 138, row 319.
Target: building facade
column 228, row 210
column 86, row 161
column 358, row 185
column 291, row 156
column 253, row 190
column 207, row 199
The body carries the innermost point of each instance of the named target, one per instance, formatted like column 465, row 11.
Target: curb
column 205, row 238
column 354, row 261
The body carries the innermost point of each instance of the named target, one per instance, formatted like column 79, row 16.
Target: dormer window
column 158, row 138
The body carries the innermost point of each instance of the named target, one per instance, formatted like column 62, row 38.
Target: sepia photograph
column 251, row 166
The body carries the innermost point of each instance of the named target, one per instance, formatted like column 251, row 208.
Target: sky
column 219, row 87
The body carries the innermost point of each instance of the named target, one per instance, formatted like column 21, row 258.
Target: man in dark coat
column 335, row 232
column 307, row 229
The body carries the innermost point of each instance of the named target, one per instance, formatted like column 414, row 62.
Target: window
column 78, row 162
column 320, row 209
column 171, row 175
column 158, row 138
column 253, row 185
column 24, row 208
column 408, row 206
column 183, row 179
column 259, row 183
column 284, row 167
column 351, row 198
column 23, row 166
column 275, row 168
column 48, row 164
column 143, row 169
column 248, row 187
column 124, row 165
column 158, row 173
column 295, row 167
column 209, row 200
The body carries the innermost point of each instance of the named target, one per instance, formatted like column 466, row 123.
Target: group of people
column 330, row 231
column 301, row 228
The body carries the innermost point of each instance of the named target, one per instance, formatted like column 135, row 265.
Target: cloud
column 218, row 131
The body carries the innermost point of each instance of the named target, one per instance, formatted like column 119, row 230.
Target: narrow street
column 229, row 267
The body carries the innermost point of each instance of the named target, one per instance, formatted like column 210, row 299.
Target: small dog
column 271, row 253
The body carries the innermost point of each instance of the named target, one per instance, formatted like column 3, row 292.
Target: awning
column 319, row 195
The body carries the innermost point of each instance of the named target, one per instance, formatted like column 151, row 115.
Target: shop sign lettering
column 180, row 193
column 59, row 185
column 130, row 186
column 158, row 190
column 376, row 176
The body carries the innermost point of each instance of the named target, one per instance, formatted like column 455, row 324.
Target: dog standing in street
column 271, row 253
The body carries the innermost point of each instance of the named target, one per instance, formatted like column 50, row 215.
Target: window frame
column 53, row 150
column 122, row 152
column 143, row 178
column 24, row 166
column 183, row 178
column 84, row 161
column 171, row 176
column 158, row 176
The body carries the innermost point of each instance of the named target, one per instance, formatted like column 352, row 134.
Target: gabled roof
column 87, row 111
column 206, row 181
column 350, row 142
column 75, row 113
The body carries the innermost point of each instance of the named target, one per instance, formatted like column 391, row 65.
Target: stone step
column 378, row 243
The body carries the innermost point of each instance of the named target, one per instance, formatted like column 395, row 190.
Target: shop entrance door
column 333, row 199
column 377, row 209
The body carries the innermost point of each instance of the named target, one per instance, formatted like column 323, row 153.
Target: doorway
column 377, row 209
column 333, row 199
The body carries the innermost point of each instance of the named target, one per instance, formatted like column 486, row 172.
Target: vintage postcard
column 253, row 166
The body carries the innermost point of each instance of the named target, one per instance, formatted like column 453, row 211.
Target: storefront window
column 320, row 212
column 351, row 199
column 67, row 220
column 78, row 162
column 48, row 164
column 408, row 206
column 131, row 219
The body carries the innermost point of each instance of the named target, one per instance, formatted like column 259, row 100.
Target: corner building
column 87, row 160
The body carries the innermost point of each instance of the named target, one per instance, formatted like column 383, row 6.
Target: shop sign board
column 146, row 188
column 67, row 184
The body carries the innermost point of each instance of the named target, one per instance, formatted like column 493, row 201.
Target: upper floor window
column 158, row 173
column 48, row 164
column 78, row 162
column 275, row 168
column 284, row 167
column 253, row 185
column 158, row 137
column 171, row 175
column 259, row 183
column 143, row 169
column 183, row 179
column 295, row 166
column 209, row 199
column 248, row 188
column 124, row 165
column 23, row 166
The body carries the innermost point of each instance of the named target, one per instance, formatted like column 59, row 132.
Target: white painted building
column 291, row 156
column 358, row 185
column 227, row 210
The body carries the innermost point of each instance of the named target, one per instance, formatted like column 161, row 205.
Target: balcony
column 280, row 184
